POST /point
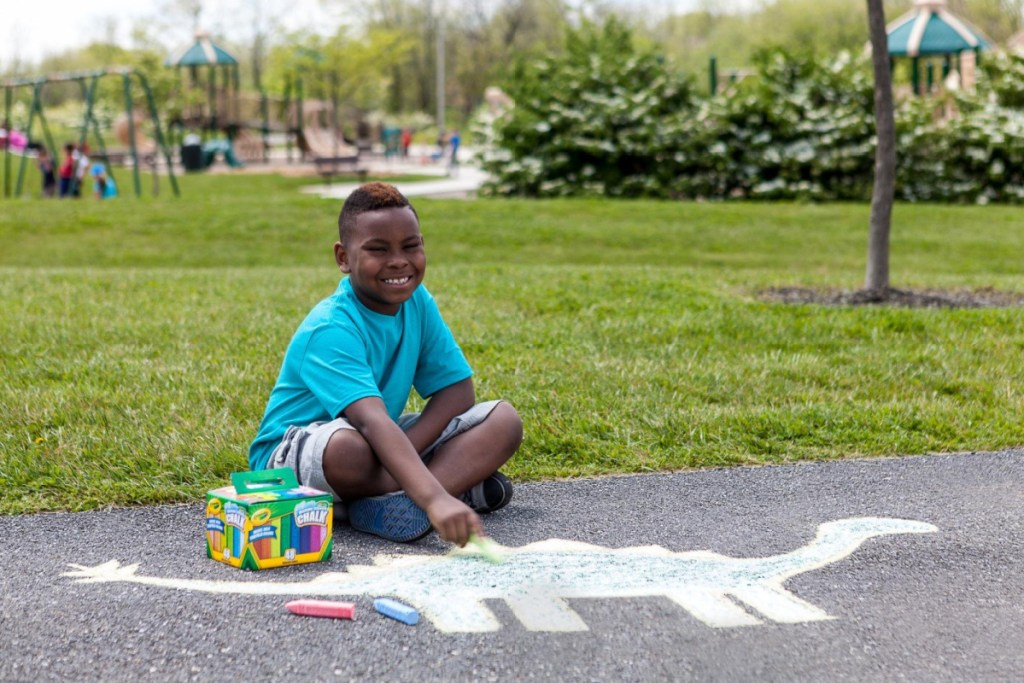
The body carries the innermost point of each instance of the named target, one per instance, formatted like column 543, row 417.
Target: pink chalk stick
column 322, row 608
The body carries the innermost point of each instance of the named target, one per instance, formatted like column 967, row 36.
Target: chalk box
column 266, row 520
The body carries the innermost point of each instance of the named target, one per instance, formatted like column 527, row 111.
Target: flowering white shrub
column 599, row 120
column 610, row 119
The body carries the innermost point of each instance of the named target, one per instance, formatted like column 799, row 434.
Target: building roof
column 930, row 29
column 203, row 52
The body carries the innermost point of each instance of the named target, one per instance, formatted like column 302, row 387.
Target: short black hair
column 374, row 196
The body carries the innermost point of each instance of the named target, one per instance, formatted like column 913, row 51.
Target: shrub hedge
column 611, row 118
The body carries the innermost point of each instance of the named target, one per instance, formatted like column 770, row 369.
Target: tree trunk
column 258, row 45
column 877, row 278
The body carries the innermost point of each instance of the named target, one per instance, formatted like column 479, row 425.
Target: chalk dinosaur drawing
column 537, row 579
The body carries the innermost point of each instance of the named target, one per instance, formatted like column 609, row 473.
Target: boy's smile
column 383, row 258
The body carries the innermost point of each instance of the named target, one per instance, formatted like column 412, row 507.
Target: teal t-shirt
column 343, row 352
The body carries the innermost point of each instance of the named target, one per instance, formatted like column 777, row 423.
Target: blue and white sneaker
column 393, row 517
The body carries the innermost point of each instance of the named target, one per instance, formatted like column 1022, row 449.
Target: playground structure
column 325, row 145
column 221, row 105
column 250, row 122
column 128, row 131
column 733, row 76
column 208, row 115
column 929, row 35
column 930, row 31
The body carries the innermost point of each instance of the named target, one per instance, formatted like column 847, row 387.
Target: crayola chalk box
column 265, row 520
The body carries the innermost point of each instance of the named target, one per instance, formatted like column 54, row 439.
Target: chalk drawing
column 536, row 580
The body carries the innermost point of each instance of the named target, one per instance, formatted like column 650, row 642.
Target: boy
column 334, row 415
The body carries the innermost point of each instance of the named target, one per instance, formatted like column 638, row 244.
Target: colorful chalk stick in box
column 215, row 526
column 322, row 608
column 265, row 519
column 396, row 610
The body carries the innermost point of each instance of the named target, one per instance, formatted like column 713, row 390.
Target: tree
column 877, row 277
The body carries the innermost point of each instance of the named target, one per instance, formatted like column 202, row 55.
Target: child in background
column 406, row 141
column 67, row 170
column 81, row 169
column 110, row 191
column 99, row 180
column 335, row 414
column 46, row 168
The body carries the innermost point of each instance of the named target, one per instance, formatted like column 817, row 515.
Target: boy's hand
column 453, row 520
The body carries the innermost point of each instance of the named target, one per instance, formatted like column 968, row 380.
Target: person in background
column 453, row 154
column 66, row 174
column 99, row 180
column 47, row 170
column 406, row 141
column 81, row 169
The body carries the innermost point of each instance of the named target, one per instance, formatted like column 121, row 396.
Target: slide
column 321, row 143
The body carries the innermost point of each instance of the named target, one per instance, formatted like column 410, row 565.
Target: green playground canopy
column 203, row 52
column 930, row 29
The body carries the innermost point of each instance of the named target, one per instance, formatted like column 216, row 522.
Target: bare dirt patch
column 985, row 297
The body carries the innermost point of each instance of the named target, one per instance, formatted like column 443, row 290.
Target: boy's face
column 384, row 258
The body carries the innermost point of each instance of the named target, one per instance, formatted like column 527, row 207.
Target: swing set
column 88, row 82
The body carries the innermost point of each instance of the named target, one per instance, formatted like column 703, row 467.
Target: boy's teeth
column 397, row 281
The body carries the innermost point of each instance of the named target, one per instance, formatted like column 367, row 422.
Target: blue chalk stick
column 396, row 610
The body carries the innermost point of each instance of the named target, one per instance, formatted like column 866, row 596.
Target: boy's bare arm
column 452, row 519
column 453, row 400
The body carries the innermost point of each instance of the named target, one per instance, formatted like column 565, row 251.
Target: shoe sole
column 394, row 518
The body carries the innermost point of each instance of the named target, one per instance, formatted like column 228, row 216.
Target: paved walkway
column 858, row 570
column 462, row 183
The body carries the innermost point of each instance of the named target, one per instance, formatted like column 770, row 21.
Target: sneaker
column 392, row 516
column 340, row 512
column 493, row 493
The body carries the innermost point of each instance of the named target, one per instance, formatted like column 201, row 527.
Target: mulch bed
column 986, row 297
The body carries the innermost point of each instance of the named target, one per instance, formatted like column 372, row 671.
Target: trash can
column 192, row 157
column 391, row 137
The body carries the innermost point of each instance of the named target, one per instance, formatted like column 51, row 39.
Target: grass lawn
column 141, row 337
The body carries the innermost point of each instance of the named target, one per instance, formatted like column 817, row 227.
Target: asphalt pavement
column 855, row 570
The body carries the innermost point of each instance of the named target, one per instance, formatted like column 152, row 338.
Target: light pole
column 440, row 71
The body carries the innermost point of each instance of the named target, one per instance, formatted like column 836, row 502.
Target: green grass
column 141, row 337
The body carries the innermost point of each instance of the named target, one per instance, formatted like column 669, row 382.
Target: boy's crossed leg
column 459, row 460
column 465, row 458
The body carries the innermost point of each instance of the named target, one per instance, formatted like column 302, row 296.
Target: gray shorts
column 302, row 448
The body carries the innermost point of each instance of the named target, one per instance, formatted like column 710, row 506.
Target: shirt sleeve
column 441, row 361
column 335, row 369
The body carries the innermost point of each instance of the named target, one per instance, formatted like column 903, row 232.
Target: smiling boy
column 335, row 413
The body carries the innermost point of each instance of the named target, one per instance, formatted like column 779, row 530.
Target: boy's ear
column 341, row 257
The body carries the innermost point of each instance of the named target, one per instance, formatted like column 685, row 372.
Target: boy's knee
column 347, row 452
column 507, row 421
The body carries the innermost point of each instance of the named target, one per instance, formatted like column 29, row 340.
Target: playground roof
column 930, row 29
column 203, row 52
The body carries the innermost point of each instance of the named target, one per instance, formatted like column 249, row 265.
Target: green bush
column 1003, row 75
column 798, row 129
column 611, row 119
column 977, row 156
column 600, row 120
